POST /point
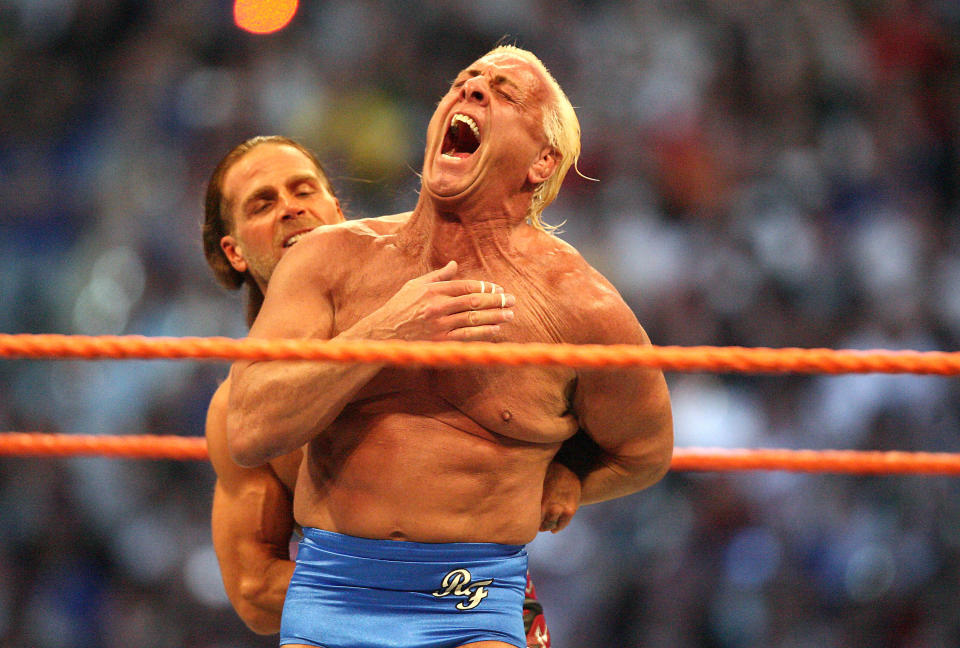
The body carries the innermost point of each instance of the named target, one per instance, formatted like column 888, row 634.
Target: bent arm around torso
column 251, row 522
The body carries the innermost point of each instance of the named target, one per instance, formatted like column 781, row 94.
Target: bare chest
column 525, row 404
column 530, row 404
column 543, row 311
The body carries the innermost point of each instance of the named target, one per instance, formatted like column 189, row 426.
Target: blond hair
column 562, row 130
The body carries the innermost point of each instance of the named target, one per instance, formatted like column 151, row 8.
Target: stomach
column 429, row 474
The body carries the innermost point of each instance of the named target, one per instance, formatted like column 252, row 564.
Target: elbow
column 254, row 611
column 662, row 455
column 654, row 462
column 244, row 425
column 259, row 621
column 253, row 603
column 246, row 454
column 661, row 464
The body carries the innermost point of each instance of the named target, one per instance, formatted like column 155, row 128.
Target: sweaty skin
column 275, row 192
column 450, row 455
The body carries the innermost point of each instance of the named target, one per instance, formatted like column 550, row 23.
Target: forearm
column 278, row 407
column 605, row 475
column 251, row 523
column 610, row 480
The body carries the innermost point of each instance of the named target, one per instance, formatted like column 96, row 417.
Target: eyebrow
column 267, row 191
column 497, row 80
column 259, row 193
column 304, row 177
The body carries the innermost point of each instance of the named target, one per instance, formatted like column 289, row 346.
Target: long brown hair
column 217, row 221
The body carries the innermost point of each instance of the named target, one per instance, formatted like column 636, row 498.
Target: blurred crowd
column 754, row 172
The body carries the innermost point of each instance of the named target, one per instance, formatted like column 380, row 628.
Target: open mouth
column 296, row 237
column 462, row 138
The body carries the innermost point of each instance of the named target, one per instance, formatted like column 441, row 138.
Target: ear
column 543, row 167
column 233, row 253
column 339, row 209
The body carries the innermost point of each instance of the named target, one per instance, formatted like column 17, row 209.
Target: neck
column 469, row 237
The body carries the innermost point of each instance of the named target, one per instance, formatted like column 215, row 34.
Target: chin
column 445, row 185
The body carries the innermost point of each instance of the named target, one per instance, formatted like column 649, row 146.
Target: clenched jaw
column 462, row 138
column 290, row 240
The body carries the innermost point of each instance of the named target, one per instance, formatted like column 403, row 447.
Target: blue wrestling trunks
column 349, row 592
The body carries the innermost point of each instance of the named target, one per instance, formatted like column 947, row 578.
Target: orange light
column 264, row 16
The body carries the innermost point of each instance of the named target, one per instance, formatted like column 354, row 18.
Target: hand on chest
column 540, row 310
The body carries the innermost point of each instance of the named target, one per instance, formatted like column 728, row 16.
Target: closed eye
column 464, row 76
column 305, row 190
column 303, row 187
column 260, row 206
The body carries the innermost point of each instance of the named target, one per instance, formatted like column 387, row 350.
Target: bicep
column 252, row 520
column 626, row 411
column 253, row 555
column 252, row 509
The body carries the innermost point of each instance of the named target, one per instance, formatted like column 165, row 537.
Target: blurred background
column 770, row 174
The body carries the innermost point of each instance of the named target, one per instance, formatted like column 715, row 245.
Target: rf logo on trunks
column 459, row 583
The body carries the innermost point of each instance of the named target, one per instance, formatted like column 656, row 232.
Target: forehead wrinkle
column 303, row 177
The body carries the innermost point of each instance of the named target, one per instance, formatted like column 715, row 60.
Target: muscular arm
column 626, row 422
column 251, row 522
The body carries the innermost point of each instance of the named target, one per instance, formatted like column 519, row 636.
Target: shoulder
column 384, row 224
column 356, row 229
column 593, row 305
column 335, row 246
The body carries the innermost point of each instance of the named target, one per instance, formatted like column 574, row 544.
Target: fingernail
column 508, row 315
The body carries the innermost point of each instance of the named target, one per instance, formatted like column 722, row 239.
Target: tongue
column 460, row 141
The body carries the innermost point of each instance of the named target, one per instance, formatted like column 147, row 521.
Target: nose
column 475, row 89
column 292, row 207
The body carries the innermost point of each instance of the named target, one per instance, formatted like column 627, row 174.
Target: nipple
column 506, row 416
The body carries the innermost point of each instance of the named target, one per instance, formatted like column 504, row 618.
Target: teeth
column 293, row 239
column 469, row 122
